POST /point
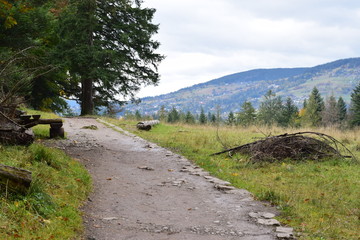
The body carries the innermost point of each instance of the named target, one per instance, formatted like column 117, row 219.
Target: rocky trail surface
column 145, row 192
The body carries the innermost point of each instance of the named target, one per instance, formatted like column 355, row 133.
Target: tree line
column 273, row 110
column 93, row 51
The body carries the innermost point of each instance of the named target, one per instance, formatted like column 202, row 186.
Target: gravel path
column 145, row 192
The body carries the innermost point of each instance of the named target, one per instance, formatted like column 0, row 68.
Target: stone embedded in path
column 285, row 232
column 224, row 187
column 268, row 222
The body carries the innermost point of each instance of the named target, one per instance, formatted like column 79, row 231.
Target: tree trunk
column 87, row 102
column 14, row 179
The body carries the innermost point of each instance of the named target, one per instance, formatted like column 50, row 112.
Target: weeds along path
column 145, row 192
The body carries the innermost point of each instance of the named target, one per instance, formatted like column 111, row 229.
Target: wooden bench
column 56, row 129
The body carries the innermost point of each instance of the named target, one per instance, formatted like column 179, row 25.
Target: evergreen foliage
column 270, row 110
column 355, row 107
column 342, row 110
column 108, row 50
column 202, row 118
column 231, row 120
column 189, row 118
column 314, row 108
column 173, row 116
column 289, row 113
column 247, row 114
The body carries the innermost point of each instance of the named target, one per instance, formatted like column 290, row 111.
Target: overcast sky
column 207, row 39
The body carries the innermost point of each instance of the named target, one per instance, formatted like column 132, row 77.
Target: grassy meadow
column 320, row 199
column 59, row 186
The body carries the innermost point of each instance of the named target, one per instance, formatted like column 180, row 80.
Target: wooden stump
column 14, row 179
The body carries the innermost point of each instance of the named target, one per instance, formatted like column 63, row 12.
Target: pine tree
column 202, row 118
column 189, row 118
column 289, row 113
column 270, row 110
column 355, row 107
column 247, row 114
column 107, row 49
column 231, row 119
column 173, row 116
column 341, row 108
column 314, row 108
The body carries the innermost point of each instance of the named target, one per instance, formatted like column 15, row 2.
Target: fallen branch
column 295, row 146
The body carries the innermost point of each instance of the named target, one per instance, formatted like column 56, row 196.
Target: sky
column 207, row 39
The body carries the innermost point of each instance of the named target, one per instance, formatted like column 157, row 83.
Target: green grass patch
column 321, row 200
column 50, row 209
column 60, row 184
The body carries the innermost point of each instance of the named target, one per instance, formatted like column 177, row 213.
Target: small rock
column 268, row 222
column 285, row 235
column 224, row 187
column 284, row 230
column 267, row 215
column 254, row 214
column 146, row 168
column 110, row 218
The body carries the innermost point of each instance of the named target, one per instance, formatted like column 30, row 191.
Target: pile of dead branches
column 296, row 146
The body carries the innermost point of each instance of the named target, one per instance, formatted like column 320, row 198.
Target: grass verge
column 59, row 187
column 319, row 199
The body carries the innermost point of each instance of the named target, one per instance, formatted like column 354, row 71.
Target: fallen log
column 14, row 179
column 146, row 125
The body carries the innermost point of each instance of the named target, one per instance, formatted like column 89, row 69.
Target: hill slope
column 229, row 92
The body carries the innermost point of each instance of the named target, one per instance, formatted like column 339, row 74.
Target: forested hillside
column 229, row 92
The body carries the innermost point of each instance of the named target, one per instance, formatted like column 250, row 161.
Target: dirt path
column 144, row 192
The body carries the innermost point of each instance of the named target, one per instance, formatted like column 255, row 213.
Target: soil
column 145, row 192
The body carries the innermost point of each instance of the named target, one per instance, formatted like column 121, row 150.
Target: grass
column 319, row 199
column 59, row 186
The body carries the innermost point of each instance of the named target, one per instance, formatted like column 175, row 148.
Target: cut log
column 50, row 121
column 146, row 125
column 14, row 179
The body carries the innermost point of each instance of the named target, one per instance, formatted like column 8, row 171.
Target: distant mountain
column 229, row 92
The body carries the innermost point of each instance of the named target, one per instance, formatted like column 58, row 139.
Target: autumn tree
column 108, row 49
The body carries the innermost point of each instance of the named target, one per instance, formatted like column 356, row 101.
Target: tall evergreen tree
column 202, row 118
column 32, row 28
column 355, row 107
column 289, row 113
column 270, row 110
column 341, row 108
column 189, row 118
column 314, row 108
column 247, row 114
column 231, row 118
column 173, row 116
column 108, row 49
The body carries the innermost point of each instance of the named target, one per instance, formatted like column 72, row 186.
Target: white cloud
column 206, row 39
